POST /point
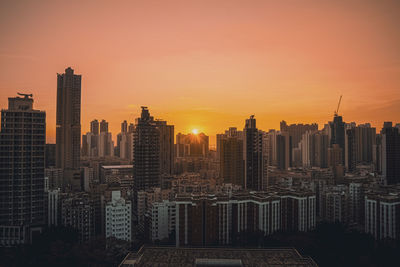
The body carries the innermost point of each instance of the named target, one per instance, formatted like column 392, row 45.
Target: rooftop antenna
column 337, row 109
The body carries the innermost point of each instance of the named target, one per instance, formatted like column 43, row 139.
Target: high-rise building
column 50, row 155
column 253, row 155
column 124, row 127
column 68, row 126
column 390, row 154
column 55, row 177
column 166, row 147
column 78, row 212
column 338, row 133
column 22, row 164
column 382, row 209
column 296, row 131
column 146, row 152
column 192, row 145
column 321, row 145
column 272, row 148
column 94, row 127
column 231, row 157
column 284, row 151
column 365, row 141
column 351, row 150
column 103, row 126
column 118, row 217
column 105, row 145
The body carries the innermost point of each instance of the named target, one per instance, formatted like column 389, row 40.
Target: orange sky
column 207, row 64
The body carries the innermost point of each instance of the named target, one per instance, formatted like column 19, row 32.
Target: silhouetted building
column 231, row 158
column 103, row 126
column 321, row 145
column 78, row 212
column 192, row 145
column 284, row 151
column 390, row 154
column 252, row 155
column 146, row 152
column 338, row 133
column 50, row 155
column 167, row 153
column 22, row 164
column 94, row 127
column 68, row 128
column 365, row 140
column 296, row 131
column 351, row 150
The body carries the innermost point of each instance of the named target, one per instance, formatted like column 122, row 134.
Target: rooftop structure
column 170, row 256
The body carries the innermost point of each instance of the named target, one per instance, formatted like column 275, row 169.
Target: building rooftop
column 171, row 256
column 118, row 167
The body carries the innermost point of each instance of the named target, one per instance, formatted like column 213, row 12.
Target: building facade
column 68, row 126
column 22, row 170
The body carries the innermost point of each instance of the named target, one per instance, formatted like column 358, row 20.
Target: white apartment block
column 382, row 213
column 119, row 217
column 163, row 219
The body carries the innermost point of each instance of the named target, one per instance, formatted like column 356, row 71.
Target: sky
column 207, row 65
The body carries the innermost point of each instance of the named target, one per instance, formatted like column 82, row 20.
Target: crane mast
column 337, row 110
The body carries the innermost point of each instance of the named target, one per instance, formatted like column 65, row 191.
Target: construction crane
column 337, row 110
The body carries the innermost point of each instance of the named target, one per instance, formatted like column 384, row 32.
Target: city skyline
column 167, row 57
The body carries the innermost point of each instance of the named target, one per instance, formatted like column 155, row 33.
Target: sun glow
column 195, row 131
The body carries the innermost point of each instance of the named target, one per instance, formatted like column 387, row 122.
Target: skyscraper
column 105, row 143
column 68, row 125
column 284, row 153
column 103, row 126
column 338, row 133
column 94, row 127
column 124, row 127
column 166, row 147
column 22, row 164
column 146, row 152
column 231, row 157
column 350, row 150
column 252, row 155
column 390, row 154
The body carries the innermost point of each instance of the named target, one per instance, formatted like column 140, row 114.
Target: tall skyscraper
column 68, row 126
column 94, row 127
column 321, row 145
column 146, row 152
column 124, row 127
column 351, row 150
column 166, row 147
column 390, row 154
column 284, row 153
column 103, row 126
column 22, row 165
column 365, row 141
column 338, row 133
column 105, row 142
column 252, row 155
column 231, row 157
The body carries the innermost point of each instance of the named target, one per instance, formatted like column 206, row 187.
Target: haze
column 206, row 65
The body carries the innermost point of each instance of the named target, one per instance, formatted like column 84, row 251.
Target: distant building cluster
column 151, row 185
